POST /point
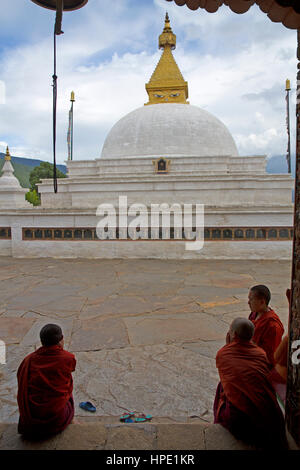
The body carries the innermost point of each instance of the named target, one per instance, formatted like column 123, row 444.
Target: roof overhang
column 286, row 12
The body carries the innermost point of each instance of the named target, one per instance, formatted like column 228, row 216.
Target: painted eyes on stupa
column 173, row 95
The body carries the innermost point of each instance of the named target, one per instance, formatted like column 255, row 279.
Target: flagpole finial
column 287, row 85
column 72, row 96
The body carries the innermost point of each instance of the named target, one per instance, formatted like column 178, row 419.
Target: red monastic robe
column 278, row 375
column 245, row 401
column 45, row 387
column 268, row 332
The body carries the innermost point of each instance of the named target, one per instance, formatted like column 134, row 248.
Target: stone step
column 105, row 434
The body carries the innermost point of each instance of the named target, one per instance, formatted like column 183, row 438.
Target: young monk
column 268, row 327
column 45, row 387
column 245, row 401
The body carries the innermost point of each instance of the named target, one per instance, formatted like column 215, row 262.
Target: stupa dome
column 169, row 129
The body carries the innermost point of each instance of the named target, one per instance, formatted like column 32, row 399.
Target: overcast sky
column 235, row 65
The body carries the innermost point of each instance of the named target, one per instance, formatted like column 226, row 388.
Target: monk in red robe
column 45, row 387
column 268, row 327
column 245, row 401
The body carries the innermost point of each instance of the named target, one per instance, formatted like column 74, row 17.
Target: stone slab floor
column 145, row 332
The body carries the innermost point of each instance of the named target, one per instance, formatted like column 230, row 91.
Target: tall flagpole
column 70, row 129
column 72, row 101
column 288, row 155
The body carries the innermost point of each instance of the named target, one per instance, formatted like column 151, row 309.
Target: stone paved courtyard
column 145, row 332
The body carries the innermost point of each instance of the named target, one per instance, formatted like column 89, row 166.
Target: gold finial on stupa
column 7, row 155
column 167, row 37
column 167, row 84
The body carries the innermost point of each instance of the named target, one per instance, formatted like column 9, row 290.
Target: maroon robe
column 268, row 332
column 45, row 387
column 245, row 401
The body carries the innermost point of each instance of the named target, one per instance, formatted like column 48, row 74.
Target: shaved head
column 261, row 292
column 242, row 328
column 51, row 334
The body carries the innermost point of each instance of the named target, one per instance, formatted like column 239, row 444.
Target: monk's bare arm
column 270, row 342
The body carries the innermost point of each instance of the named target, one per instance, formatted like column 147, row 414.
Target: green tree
column 43, row 171
column 33, row 197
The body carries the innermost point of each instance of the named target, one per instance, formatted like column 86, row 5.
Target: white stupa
column 12, row 195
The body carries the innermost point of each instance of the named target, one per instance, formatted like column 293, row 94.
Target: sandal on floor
column 142, row 418
column 126, row 416
column 87, row 406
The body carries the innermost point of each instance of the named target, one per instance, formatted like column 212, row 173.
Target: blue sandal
column 87, row 406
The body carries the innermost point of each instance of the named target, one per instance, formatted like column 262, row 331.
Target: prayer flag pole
column 288, row 155
column 70, row 129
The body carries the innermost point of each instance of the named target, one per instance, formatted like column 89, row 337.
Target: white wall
column 166, row 249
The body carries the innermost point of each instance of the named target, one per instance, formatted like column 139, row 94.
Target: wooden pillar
column 293, row 379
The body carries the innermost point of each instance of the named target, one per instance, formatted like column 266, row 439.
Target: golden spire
column 7, row 155
column 167, row 84
column 167, row 37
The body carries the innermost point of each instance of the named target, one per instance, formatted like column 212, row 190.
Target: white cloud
column 2, row 92
column 258, row 142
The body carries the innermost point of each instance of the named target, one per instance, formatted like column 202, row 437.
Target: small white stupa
column 12, row 195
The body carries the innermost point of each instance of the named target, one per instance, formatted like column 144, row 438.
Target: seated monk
column 45, row 387
column 245, row 401
column 268, row 327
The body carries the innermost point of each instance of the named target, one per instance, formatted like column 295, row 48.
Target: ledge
column 104, row 434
